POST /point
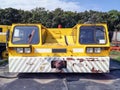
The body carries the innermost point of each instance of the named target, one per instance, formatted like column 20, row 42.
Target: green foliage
column 118, row 59
column 114, row 53
column 58, row 16
column 114, row 19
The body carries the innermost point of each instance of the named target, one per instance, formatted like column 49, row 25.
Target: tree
column 59, row 16
column 9, row 16
column 114, row 19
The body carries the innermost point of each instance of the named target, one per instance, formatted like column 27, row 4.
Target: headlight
column 89, row 50
column 19, row 50
column 27, row 50
column 97, row 50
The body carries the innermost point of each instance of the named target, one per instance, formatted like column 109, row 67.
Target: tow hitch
column 58, row 64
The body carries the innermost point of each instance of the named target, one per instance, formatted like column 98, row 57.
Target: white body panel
column 2, row 33
column 74, row 64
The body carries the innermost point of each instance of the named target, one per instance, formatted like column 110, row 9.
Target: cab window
column 92, row 35
column 25, row 35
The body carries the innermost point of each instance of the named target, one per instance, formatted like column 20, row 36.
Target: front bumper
column 73, row 64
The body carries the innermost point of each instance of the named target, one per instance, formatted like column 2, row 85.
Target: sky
column 67, row 5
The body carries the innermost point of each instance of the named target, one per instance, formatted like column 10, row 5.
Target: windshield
column 92, row 35
column 25, row 35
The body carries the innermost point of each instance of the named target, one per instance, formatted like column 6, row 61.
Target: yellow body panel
column 57, row 38
column 4, row 29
